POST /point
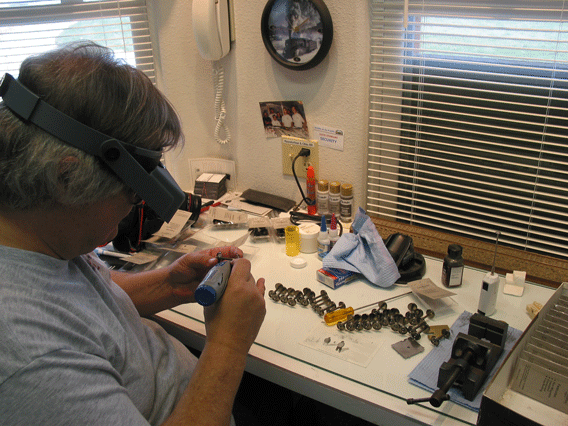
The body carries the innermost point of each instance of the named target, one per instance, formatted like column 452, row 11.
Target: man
column 298, row 119
column 287, row 119
column 75, row 348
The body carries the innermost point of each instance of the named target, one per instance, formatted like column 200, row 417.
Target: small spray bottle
column 333, row 232
column 489, row 288
column 323, row 239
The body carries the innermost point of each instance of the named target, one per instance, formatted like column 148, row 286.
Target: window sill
column 545, row 270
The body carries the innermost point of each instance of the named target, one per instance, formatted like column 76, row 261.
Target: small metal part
column 331, row 307
column 408, row 347
column 421, row 328
column 435, row 339
column 221, row 258
column 437, row 329
column 340, row 346
column 298, row 295
column 275, row 294
column 285, row 294
column 377, row 325
column 322, row 302
column 341, row 326
column 308, row 292
column 259, row 232
column 315, row 300
column 417, row 320
column 327, row 340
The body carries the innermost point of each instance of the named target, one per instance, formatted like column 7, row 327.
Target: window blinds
column 468, row 119
column 31, row 27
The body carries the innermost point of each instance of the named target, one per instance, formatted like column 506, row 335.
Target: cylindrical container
column 311, row 190
column 346, row 204
column 334, row 197
column 309, row 237
column 292, row 240
column 323, row 240
column 333, row 232
column 452, row 269
column 322, row 197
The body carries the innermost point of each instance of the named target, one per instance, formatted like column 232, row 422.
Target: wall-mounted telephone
column 211, row 28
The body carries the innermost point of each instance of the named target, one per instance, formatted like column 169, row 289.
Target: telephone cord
column 220, row 110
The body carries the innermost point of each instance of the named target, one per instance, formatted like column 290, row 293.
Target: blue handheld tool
column 213, row 285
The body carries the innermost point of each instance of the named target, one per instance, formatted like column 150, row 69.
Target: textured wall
column 335, row 94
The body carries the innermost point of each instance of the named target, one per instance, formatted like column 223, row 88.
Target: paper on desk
column 357, row 348
column 425, row 375
column 236, row 202
column 433, row 296
column 174, row 227
column 143, row 257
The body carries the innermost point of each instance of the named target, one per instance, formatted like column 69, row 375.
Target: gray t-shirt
column 74, row 351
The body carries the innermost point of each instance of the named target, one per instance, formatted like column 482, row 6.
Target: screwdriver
column 333, row 317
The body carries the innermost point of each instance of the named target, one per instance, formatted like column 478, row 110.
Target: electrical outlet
column 291, row 147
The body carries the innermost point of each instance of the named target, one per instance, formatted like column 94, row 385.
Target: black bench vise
column 473, row 357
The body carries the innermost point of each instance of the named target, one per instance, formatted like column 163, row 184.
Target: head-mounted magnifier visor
column 137, row 167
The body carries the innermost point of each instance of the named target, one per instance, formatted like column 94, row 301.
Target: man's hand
column 186, row 273
column 234, row 320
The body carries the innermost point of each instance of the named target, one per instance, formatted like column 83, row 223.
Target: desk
column 377, row 392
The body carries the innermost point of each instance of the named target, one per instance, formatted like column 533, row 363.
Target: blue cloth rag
column 363, row 251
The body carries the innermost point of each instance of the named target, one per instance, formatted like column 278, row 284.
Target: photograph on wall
column 284, row 118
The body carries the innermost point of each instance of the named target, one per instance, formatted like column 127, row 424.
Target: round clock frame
column 297, row 33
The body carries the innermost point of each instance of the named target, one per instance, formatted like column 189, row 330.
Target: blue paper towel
column 363, row 251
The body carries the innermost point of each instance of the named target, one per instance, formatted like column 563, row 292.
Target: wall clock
column 297, row 33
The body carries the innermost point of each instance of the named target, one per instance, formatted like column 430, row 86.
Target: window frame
column 541, row 268
column 69, row 10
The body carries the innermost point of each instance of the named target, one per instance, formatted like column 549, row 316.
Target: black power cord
column 304, row 152
column 295, row 216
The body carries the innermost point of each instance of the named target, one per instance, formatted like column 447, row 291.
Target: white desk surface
column 377, row 392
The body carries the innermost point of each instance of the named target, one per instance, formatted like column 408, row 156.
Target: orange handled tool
column 333, row 317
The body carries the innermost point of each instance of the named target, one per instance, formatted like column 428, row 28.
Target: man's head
column 87, row 83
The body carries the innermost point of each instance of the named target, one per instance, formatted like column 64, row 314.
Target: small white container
column 309, row 237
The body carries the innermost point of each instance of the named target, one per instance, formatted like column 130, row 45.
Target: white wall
column 334, row 93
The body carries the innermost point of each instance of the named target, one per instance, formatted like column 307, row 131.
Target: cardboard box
column 525, row 391
column 333, row 277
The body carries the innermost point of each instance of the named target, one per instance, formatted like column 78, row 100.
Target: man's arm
column 159, row 289
column 209, row 397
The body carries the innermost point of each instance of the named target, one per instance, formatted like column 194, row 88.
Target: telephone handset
column 211, row 28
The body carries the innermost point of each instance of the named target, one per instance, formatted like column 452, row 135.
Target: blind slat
column 467, row 119
column 28, row 28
